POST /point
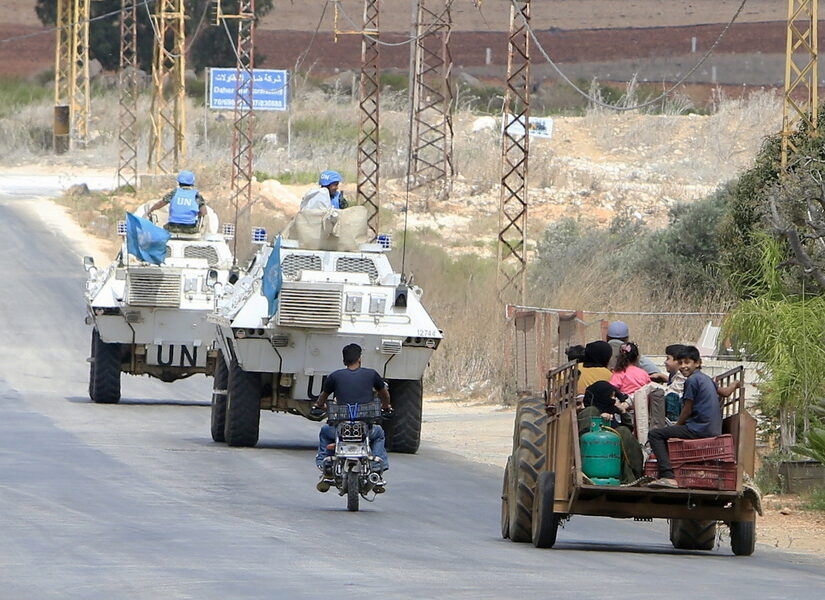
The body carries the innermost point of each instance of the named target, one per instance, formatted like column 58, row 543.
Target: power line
column 409, row 40
column 69, row 25
column 655, row 100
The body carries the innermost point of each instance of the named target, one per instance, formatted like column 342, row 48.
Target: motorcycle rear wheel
column 353, row 491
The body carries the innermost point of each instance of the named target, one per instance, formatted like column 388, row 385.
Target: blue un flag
column 145, row 240
column 273, row 276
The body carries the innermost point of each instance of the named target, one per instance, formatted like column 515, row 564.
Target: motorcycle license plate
column 349, row 449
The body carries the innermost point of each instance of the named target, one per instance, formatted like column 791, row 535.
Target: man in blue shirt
column 701, row 415
column 352, row 385
column 186, row 205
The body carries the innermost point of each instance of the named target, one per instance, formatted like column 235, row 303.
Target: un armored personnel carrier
column 151, row 319
column 335, row 290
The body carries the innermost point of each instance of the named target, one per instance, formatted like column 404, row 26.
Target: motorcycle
column 352, row 463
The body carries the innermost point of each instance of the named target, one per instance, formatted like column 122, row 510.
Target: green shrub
column 16, row 92
column 816, row 500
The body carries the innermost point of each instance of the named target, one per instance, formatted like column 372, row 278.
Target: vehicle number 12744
column 428, row 332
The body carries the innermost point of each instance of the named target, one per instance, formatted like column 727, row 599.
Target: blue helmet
column 329, row 177
column 186, row 178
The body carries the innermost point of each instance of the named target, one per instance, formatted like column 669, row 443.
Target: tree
column 206, row 45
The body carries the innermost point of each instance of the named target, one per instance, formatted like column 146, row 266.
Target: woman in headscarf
column 594, row 366
column 601, row 399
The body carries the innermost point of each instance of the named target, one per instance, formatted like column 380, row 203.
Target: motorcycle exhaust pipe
column 374, row 478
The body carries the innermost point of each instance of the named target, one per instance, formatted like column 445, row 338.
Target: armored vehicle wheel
column 690, row 534
column 353, row 491
column 404, row 429
column 505, row 507
column 219, row 393
column 243, row 407
column 92, row 365
column 527, row 462
column 743, row 537
column 105, row 371
column 545, row 521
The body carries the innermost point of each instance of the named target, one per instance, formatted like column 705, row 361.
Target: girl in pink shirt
column 627, row 376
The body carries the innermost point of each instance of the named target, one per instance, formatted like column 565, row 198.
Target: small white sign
column 539, row 126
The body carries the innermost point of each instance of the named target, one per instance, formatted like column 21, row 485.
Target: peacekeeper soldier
column 186, row 205
column 328, row 195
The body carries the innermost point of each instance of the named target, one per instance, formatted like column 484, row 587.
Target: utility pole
column 511, row 273
column 168, row 145
column 368, row 91
column 71, row 75
column 432, row 99
column 128, row 94
column 800, row 98
column 241, row 178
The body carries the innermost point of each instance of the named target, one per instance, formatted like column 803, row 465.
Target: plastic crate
column 707, row 476
column 652, row 467
column 719, row 448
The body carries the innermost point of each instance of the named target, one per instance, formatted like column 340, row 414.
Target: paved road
column 135, row 501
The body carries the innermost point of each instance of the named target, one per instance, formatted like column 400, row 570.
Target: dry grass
column 597, row 165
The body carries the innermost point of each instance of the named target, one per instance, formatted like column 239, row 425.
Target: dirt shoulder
column 483, row 433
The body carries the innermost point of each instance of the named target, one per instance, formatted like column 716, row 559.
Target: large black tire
column 545, row 521
column 95, row 336
column 743, row 537
column 505, row 505
column 219, row 394
column 353, row 491
column 403, row 430
column 690, row 534
column 243, row 407
column 105, row 371
column 527, row 462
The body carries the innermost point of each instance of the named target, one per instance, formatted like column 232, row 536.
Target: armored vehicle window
column 292, row 264
column 207, row 252
column 349, row 264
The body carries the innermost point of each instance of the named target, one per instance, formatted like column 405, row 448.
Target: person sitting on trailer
column 701, row 415
column 593, row 367
column 352, row 385
column 602, row 399
column 186, row 205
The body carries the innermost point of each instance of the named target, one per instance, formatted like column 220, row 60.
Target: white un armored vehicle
column 151, row 319
column 336, row 290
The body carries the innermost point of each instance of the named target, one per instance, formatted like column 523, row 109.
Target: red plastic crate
column 652, row 467
column 719, row 448
column 707, row 476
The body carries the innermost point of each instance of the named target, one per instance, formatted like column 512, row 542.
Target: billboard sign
column 269, row 89
column 539, row 126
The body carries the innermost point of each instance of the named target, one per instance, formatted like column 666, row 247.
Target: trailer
column 544, row 484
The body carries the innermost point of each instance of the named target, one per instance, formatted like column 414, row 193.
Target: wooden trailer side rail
column 737, row 421
column 562, row 448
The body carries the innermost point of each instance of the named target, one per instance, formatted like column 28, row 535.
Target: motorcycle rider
column 186, row 205
column 352, row 385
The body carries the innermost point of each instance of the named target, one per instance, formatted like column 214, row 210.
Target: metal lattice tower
column 168, row 145
column 432, row 99
column 241, row 178
column 128, row 94
column 511, row 274
column 800, row 105
column 72, row 66
column 369, row 88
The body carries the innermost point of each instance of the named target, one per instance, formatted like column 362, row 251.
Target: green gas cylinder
column 601, row 454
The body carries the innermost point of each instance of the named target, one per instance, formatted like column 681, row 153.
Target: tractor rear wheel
column 545, row 521
column 690, row 534
column 528, row 461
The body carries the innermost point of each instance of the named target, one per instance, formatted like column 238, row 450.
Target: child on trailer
column 627, row 375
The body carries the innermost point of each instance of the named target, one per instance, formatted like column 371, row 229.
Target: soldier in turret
column 186, row 205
